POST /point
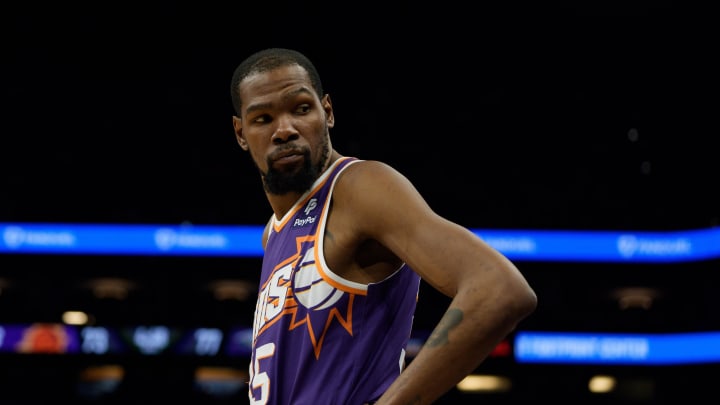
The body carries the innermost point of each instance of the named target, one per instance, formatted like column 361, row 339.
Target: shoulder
column 369, row 173
column 369, row 187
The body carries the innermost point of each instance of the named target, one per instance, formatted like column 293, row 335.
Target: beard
column 300, row 179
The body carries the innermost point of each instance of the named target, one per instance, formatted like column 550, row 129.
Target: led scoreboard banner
column 617, row 348
column 52, row 338
column 525, row 346
column 244, row 241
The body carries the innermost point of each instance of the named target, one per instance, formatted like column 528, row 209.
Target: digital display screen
column 614, row 348
column 200, row 240
column 151, row 340
column 46, row 338
column 525, row 346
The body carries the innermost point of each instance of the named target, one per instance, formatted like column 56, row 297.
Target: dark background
column 529, row 116
column 520, row 114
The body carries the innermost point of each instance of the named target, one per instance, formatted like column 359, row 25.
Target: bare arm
column 489, row 294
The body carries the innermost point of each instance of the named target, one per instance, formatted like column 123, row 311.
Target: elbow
column 513, row 301
column 518, row 296
column 521, row 303
column 527, row 303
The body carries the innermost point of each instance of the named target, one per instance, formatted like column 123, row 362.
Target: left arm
column 489, row 294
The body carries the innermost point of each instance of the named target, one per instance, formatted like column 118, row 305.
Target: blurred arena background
column 516, row 118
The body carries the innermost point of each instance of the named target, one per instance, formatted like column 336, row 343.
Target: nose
column 284, row 131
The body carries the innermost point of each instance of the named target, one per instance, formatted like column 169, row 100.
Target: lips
column 288, row 157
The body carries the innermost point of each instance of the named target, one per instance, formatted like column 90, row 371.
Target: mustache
column 287, row 151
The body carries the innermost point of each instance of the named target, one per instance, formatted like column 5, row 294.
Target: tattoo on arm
column 450, row 320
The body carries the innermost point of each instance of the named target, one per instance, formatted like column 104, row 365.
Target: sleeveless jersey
column 319, row 339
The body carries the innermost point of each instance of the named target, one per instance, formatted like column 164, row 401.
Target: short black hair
column 269, row 59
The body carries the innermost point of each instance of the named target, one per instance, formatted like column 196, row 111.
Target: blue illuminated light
column 244, row 241
column 620, row 349
column 167, row 240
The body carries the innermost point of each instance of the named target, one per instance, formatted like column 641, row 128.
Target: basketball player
column 344, row 253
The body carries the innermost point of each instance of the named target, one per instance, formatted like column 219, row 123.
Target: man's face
column 285, row 127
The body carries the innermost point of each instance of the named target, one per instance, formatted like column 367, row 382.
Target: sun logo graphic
column 311, row 290
column 301, row 297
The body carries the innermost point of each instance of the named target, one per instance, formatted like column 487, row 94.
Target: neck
column 282, row 203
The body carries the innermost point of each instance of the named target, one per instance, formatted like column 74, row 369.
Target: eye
column 261, row 119
column 303, row 109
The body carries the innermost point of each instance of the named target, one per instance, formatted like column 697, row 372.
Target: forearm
column 468, row 332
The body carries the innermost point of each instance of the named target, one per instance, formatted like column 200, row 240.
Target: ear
column 237, row 126
column 327, row 106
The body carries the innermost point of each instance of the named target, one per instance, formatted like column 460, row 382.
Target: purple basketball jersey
column 318, row 338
